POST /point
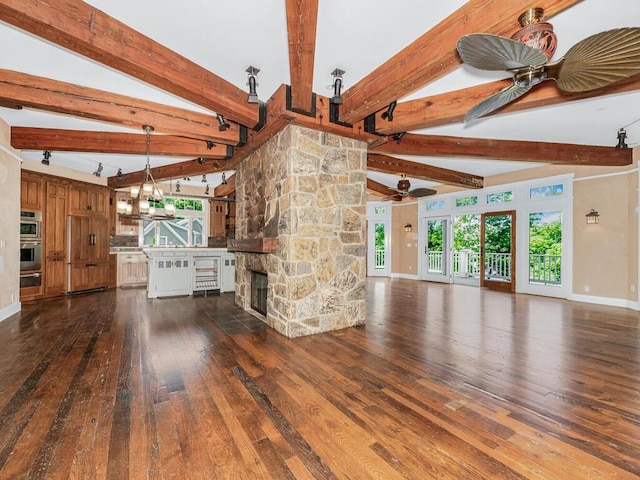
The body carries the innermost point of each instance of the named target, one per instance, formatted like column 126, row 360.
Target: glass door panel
column 436, row 259
column 378, row 258
column 466, row 249
column 498, row 250
column 545, row 248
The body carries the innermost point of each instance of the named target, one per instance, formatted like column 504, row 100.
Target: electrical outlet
column 587, row 289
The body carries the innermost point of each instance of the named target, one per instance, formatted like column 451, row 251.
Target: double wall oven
column 30, row 248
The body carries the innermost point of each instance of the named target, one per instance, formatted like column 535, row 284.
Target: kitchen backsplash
column 123, row 241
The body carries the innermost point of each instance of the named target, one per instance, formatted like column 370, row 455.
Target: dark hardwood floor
column 443, row 382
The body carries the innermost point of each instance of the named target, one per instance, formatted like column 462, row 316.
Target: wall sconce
column 592, row 217
column 408, row 227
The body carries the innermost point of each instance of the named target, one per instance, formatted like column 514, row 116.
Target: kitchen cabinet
column 87, row 199
column 132, row 269
column 217, row 218
column 89, row 252
column 31, row 191
column 228, row 272
column 55, row 239
column 170, row 275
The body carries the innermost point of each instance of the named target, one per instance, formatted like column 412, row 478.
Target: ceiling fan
column 403, row 190
column 592, row 63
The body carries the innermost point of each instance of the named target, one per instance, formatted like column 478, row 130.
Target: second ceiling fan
column 592, row 63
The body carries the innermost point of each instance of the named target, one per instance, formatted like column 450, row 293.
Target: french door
column 497, row 250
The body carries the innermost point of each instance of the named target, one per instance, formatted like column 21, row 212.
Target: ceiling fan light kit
column 535, row 33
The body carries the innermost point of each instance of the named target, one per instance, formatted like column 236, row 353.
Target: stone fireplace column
column 307, row 189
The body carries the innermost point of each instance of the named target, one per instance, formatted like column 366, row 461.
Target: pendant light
column 144, row 196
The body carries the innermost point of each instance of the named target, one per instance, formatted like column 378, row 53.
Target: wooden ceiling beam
column 225, row 189
column 398, row 166
column 168, row 172
column 59, row 97
column 511, row 150
column 382, row 190
column 279, row 115
column 434, row 54
column 302, row 19
column 26, row 138
column 451, row 107
column 82, row 28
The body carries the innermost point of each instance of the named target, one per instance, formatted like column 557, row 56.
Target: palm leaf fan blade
column 422, row 192
column 601, row 59
column 492, row 52
column 496, row 101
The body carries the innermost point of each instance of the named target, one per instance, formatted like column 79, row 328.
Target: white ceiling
column 226, row 37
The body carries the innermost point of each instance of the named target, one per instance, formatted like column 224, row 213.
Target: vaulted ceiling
column 80, row 79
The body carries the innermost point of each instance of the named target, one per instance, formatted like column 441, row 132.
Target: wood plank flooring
column 444, row 381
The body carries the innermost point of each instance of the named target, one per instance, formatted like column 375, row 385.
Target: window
column 546, row 191
column 380, row 210
column 186, row 229
column 501, row 197
column 466, row 201
column 435, row 205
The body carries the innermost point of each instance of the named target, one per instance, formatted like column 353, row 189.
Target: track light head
column 206, row 190
column 46, row 156
column 337, row 86
column 119, row 176
column 98, row 172
column 622, row 136
column 224, row 178
column 223, row 123
column 253, row 83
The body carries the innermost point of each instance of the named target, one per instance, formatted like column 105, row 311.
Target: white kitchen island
column 175, row 271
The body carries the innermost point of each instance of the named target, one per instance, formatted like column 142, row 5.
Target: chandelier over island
column 146, row 196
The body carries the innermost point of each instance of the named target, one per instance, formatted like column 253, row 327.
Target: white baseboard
column 612, row 302
column 12, row 309
column 404, row 275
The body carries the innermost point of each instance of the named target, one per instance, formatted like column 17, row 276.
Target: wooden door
column 78, row 200
column 497, row 250
column 80, row 238
column 55, row 245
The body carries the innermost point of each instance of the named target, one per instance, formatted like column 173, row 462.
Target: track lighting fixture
column 337, row 86
column 201, row 160
column 210, row 144
column 178, row 186
column 398, row 137
column 224, row 178
column 46, row 156
column 223, row 123
column 388, row 115
column 253, row 83
column 206, row 190
column 622, row 136
column 98, row 172
column 204, row 178
column 187, row 179
column 119, row 176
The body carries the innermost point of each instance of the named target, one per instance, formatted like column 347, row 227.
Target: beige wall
column 9, row 221
column 601, row 265
column 404, row 245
